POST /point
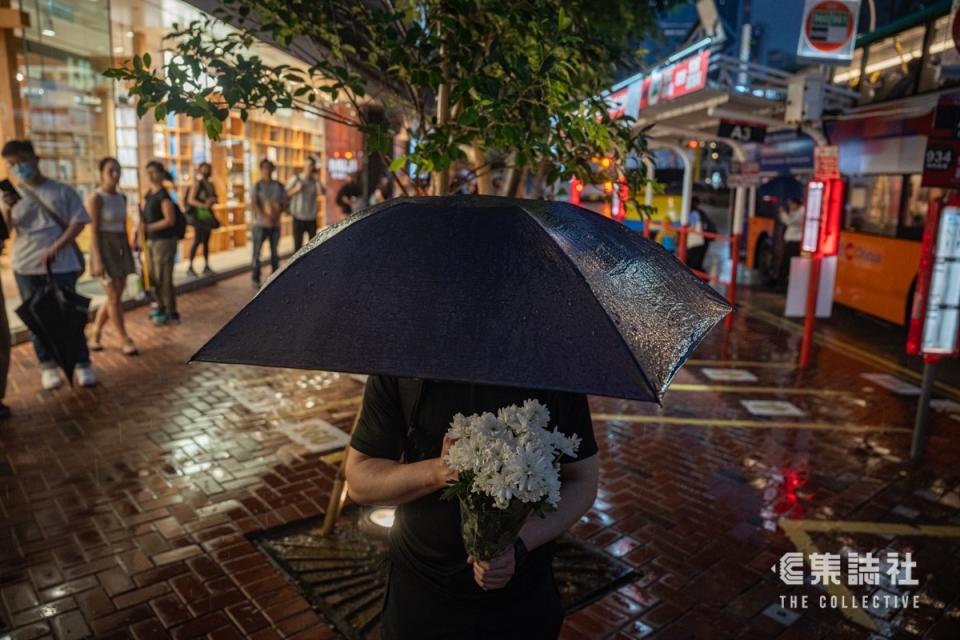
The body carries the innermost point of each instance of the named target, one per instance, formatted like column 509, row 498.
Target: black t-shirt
column 347, row 191
column 153, row 212
column 426, row 536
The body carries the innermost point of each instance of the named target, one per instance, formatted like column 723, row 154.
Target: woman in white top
column 110, row 248
column 792, row 220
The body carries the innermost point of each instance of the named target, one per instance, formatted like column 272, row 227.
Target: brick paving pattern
column 125, row 508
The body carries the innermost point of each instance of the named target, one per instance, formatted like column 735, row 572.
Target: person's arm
column 578, row 490
column 294, row 186
column 168, row 219
column 784, row 217
column 255, row 203
column 69, row 235
column 387, row 482
column 342, row 199
column 191, row 198
column 95, row 209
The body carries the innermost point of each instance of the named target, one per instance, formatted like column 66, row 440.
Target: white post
column 752, row 202
column 651, row 174
column 687, row 192
column 739, row 202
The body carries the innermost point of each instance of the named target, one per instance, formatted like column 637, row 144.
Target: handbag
column 55, row 217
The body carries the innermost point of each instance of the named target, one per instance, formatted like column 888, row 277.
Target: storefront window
column 943, row 69
column 892, row 66
column 873, row 204
column 66, row 99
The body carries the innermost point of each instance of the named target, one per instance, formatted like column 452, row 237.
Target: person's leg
column 274, row 248
column 153, row 258
column 206, row 249
column 257, row 244
column 298, row 230
column 197, row 243
column 169, row 293
column 103, row 313
column 115, row 305
column 27, row 285
column 4, row 353
column 311, row 227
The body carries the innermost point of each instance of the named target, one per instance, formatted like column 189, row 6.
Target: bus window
column 892, row 65
column 916, row 201
column 873, row 204
column 943, row 56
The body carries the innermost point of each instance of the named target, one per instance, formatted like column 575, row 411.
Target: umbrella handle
column 338, row 494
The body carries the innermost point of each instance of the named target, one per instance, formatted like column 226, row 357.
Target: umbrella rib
column 606, row 314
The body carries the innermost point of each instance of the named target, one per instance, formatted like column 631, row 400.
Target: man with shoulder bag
column 46, row 216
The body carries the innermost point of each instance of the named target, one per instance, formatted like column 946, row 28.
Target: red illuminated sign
column 679, row 79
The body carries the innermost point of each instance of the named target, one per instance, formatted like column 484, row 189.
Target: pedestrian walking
column 112, row 257
column 303, row 189
column 159, row 222
column 46, row 216
column 382, row 191
column 268, row 201
column 696, row 243
column 348, row 193
column 200, row 198
column 792, row 220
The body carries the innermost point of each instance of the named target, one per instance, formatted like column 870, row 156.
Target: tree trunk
column 484, row 174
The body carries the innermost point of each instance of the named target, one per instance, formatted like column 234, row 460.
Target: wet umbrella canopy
column 518, row 293
column 57, row 317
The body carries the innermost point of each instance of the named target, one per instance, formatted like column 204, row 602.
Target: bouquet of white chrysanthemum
column 509, row 467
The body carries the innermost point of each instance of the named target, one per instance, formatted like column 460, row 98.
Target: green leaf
column 398, row 163
column 147, row 60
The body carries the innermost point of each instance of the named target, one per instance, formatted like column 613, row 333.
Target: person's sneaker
column 156, row 313
column 159, row 319
column 50, row 379
column 4, row 411
column 256, row 285
column 207, row 271
column 86, row 376
column 173, row 318
column 191, row 272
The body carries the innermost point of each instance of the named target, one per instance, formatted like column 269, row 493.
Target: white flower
column 513, row 455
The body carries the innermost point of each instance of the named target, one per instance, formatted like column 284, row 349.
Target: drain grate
column 344, row 575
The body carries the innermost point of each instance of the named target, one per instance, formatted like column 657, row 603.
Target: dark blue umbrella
column 519, row 293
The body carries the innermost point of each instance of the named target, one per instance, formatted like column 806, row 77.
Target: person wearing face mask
column 47, row 218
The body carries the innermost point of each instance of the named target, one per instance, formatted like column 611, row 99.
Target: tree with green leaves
column 480, row 84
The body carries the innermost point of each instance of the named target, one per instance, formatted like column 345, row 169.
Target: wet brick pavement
column 125, row 507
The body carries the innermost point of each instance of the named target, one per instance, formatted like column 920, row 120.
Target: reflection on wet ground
column 126, row 507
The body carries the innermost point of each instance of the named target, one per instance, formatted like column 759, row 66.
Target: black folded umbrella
column 519, row 293
column 57, row 317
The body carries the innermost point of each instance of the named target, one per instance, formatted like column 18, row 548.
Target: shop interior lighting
column 892, row 61
column 382, row 516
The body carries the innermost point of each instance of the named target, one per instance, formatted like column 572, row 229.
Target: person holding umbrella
column 47, row 216
column 512, row 595
column 466, row 304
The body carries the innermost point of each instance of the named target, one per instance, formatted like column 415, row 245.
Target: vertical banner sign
column 943, row 299
column 828, row 31
column 826, row 161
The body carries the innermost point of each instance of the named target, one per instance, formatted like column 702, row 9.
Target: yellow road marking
column 334, row 458
column 762, row 364
column 323, row 406
column 733, row 388
column 798, row 531
column 747, row 424
column 850, row 350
